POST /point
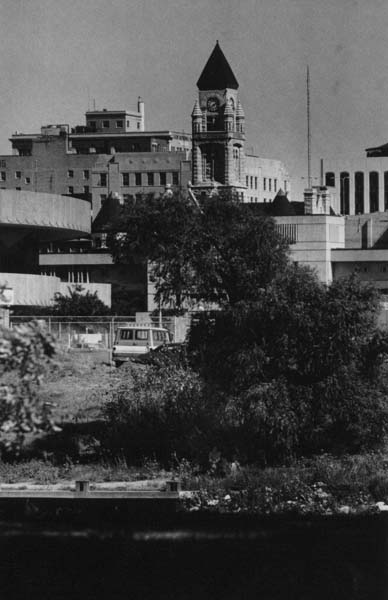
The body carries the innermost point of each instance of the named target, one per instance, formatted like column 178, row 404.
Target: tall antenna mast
column 308, row 130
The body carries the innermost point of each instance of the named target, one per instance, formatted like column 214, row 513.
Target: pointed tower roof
column 228, row 109
column 196, row 110
column 217, row 74
column 239, row 110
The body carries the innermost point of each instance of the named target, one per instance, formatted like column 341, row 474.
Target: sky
column 60, row 56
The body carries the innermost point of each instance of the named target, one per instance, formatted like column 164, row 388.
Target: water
column 196, row 557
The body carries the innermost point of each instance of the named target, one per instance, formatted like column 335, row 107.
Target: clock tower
column 218, row 123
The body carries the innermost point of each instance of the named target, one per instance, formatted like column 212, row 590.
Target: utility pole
column 308, row 131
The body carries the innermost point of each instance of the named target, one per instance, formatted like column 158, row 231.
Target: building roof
column 377, row 151
column 217, row 74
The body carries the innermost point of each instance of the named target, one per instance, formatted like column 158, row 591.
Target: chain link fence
column 98, row 333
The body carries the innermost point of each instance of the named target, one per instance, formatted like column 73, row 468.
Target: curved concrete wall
column 58, row 214
column 39, row 290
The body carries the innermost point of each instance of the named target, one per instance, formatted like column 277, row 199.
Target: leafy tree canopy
column 222, row 252
column 78, row 303
column 300, row 368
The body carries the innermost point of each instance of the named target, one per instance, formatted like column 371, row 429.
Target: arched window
column 344, row 193
column 359, row 193
column 374, row 191
column 330, row 179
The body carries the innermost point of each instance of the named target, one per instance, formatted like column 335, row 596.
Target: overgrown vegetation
column 25, row 353
column 286, row 375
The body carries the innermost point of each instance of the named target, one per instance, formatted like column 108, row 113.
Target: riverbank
column 77, row 389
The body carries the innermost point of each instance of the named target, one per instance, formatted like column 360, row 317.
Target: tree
column 222, row 252
column 77, row 303
column 300, row 369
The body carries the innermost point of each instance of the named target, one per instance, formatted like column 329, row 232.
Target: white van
column 134, row 339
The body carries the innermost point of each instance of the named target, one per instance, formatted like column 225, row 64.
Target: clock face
column 212, row 104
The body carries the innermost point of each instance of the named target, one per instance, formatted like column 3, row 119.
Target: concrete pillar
column 366, row 193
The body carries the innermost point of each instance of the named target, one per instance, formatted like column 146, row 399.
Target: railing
column 98, row 332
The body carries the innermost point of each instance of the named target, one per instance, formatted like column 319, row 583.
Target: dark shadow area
column 209, row 557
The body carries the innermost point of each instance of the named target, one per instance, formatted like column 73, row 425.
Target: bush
column 25, row 354
column 158, row 412
column 299, row 371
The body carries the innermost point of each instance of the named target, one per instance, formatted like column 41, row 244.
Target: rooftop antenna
column 308, row 130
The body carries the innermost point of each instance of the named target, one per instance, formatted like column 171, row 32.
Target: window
column 138, row 125
column 102, row 181
column 162, row 178
column 127, row 123
column 19, row 188
column 3, row 164
column 344, row 193
column 86, row 190
column 3, row 176
column 285, row 185
column 126, row 334
column 269, row 184
column 70, row 173
column 150, row 178
column 126, row 197
column 18, row 174
column 92, row 125
column 105, row 124
column 27, row 180
column 119, row 123
column 255, row 183
column 247, row 181
column 251, row 182
column 86, row 174
column 103, row 198
column 265, row 184
column 374, row 191
column 70, row 189
column 386, row 190
column 125, row 177
column 141, row 334
column 137, row 178
column 175, row 178
column 359, row 192
column 330, row 179
column 275, row 185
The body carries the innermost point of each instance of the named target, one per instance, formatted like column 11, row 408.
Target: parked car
column 136, row 339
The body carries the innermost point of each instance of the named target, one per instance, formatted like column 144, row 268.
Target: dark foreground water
column 176, row 556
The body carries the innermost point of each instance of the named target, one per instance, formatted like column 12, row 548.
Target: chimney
column 140, row 109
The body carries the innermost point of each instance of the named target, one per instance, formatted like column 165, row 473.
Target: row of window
column 148, row 178
column 269, row 184
column 85, row 173
column 119, row 124
column 139, row 179
column 359, row 190
column 19, row 174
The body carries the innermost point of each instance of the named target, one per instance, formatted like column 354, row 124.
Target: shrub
column 299, row 371
column 25, row 354
column 159, row 412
